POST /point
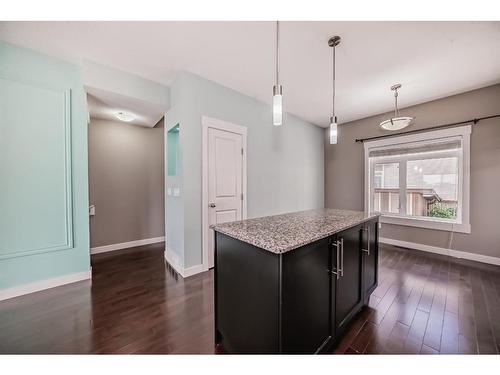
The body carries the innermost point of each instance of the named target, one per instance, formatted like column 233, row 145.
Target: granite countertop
column 282, row 233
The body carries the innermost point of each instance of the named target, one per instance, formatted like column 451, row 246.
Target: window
column 386, row 187
column 420, row 179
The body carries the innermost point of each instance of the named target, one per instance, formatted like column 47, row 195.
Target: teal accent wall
column 43, row 168
column 285, row 165
column 173, row 150
column 174, row 206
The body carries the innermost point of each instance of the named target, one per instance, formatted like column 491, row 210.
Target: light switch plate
column 177, row 192
column 92, row 210
column 169, row 191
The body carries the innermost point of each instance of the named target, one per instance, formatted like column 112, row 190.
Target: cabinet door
column 369, row 245
column 348, row 284
column 306, row 298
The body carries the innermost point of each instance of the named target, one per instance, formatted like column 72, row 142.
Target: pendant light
column 396, row 122
column 333, row 42
column 277, row 88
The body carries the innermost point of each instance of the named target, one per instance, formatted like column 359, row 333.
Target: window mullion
column 371, row 172
column 402, row 187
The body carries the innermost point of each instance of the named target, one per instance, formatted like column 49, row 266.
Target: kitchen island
column 291, row 283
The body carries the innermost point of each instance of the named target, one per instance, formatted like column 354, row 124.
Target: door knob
column 212, row 205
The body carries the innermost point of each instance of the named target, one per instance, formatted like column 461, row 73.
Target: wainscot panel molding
column 125, row 245
column 36, row 191
column 442, row 251
column 44, row 284
column 44, row 226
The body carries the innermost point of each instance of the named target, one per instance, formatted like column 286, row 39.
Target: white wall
column 285, row 164
column 112, row 80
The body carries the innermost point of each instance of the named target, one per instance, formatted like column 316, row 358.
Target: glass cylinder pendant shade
column 333, row 130
column 277, row 105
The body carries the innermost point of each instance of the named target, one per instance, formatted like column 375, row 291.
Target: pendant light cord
column 396, row 110
column 333, row 84
column 277, row 52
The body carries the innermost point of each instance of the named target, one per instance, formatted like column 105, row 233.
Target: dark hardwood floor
column 135, row 304
column 428, row 304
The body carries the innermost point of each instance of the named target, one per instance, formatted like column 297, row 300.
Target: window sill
column 426, row 223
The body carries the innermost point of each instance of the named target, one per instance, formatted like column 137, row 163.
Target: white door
column 225, row 181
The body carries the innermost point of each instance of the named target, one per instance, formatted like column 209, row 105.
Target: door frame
column 207, row 123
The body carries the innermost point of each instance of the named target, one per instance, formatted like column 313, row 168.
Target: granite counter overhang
column 282, row 233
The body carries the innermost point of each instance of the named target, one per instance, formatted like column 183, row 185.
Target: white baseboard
column 173, row 259
column 190, row 271
column 44, row 284
column 125, row 245
column 442, row 251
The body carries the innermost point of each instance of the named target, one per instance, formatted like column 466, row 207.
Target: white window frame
column 462, row 224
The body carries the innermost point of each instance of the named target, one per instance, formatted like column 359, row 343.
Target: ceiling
column 104, row 105
column 430, row 59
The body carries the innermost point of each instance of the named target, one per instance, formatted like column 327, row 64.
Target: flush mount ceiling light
column 277, row 88
column 396, row 122
column 333, row 42
column 125, row 116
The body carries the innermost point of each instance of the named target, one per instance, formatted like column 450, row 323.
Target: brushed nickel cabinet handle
column 369, row 234
column 342, row 257
column 332, row 272
column 367, row 250
column 337, row 254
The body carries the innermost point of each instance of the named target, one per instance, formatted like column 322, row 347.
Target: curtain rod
column 473, row 121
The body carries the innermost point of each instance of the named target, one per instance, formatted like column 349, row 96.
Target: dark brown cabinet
column 305, row 296
column 297, row 302
column 369, row 248
column 348, row 292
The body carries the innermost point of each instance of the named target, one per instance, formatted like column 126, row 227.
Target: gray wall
column 285, row 164
column 126, row 182
column 344, row 169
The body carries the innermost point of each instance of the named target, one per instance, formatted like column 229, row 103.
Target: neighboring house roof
column 438, row 174
column 428, row 194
